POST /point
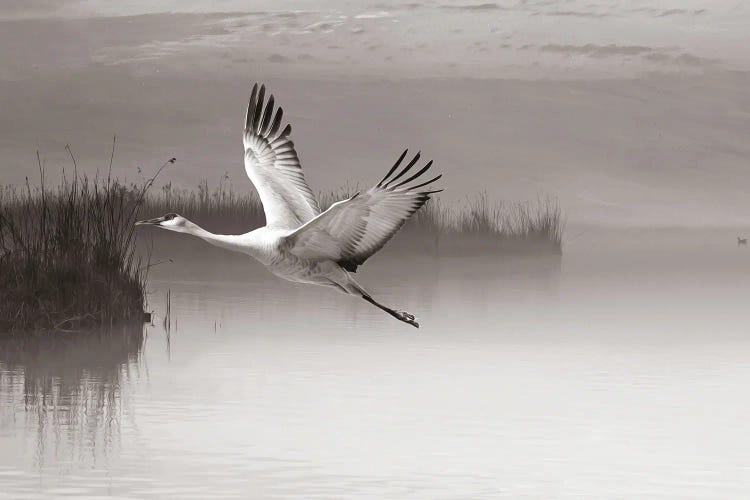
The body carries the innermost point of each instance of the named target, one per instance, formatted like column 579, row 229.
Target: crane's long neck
column 226, row 241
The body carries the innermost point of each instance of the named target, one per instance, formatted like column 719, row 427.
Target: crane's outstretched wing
column 350, row 231
column 273, row 166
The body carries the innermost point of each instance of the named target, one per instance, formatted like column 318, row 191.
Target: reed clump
column 540, row 221
column 67, row 255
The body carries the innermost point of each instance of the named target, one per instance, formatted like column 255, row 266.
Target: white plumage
column 298, row 242
column 273, row 166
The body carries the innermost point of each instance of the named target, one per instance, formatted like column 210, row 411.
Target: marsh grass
column 67, row 255
column 523, row 224
column 477, row 224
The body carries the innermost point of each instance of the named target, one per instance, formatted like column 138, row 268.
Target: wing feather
column 352, row 230
column 273, row 166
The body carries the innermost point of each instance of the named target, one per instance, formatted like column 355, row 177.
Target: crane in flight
column 299, row 242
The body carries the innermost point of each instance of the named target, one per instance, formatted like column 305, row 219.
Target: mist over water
column 618, row 369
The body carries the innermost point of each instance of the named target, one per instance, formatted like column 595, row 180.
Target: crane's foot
column 399, row 315
column 407, row 318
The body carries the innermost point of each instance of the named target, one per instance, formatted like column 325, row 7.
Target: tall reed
column 67, row 255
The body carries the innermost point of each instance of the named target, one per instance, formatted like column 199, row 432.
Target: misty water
column 616, row 370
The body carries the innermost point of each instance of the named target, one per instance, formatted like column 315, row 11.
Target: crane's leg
column 348, row 285
column 399, row 315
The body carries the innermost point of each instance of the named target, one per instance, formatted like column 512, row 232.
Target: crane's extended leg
column 399, row 315
column 349, row 285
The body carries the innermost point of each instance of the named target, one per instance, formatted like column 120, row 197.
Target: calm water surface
column 619, row 371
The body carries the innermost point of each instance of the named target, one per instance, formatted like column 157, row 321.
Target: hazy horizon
column 630, row 113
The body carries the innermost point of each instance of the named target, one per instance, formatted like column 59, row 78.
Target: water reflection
column 590, row 376
column 61, row 398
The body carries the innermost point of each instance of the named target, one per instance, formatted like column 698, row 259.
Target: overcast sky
column 527, row 38
column 627, row 111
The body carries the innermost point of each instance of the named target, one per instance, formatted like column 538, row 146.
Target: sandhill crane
column 298, row 242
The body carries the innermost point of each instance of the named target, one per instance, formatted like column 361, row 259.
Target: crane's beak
column 150, row 222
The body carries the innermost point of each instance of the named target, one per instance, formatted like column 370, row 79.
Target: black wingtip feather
column 251, row 108
column 259, row 107
column 404, row 170
column 276, row 123
column 426, row 182
column 266, row 120
column 421, row 171
column 394, row 167
column 287, row 130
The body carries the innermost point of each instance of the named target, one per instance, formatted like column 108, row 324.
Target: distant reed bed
column 539, row 224
column 67, row 255
column 477, row 224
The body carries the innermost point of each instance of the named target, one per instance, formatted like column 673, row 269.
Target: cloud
column 406, row 6
column 681, row 59
column 373, row 15
column 654, row 12
column 34, row 8
column 479, row 6
column 651, row 54
column 277, row 58
column 598, row 51
column 572, row 13
column 323, row 26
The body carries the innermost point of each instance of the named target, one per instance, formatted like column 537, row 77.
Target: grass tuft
column 67, row 255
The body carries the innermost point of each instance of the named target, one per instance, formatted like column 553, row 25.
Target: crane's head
column 171, row 221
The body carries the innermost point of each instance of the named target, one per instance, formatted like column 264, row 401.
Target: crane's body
column 266, row 245
column 299, row 242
